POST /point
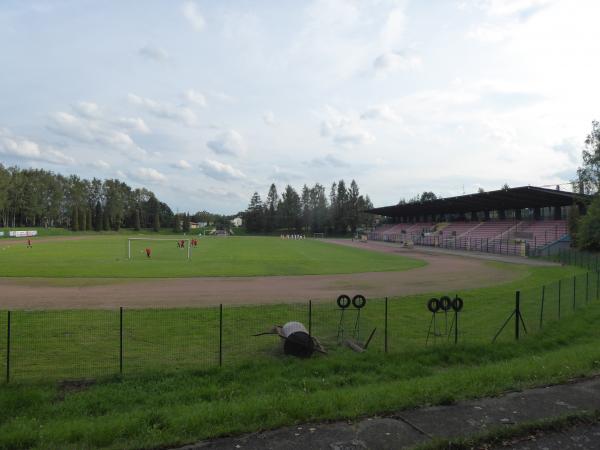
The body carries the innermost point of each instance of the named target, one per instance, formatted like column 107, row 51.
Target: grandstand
column 519, row 221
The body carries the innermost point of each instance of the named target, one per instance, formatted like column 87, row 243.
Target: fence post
column 121, row 340
column 597, row 284
column 455, row 327
column 574, row 290
column 385, row 328
column 220, row 334
column 8, row 347
column 587, row 287
column 542, row 307
column 559, row 289
column 310, row 317
column 517, row 313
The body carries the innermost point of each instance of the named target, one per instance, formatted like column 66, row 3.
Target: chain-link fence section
column 72, row 344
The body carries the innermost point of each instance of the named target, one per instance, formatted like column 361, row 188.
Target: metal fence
column 69, row 344
column 504, row 246
column 574, row 257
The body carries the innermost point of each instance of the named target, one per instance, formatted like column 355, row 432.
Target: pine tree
column 88, row 222
column 186, row 223
column 136, row 220
column 98, row 217
column 105, row 220
column 271, row 209
column 156, row 222
column 176, row 224
column 75, row 220
column 82, row 220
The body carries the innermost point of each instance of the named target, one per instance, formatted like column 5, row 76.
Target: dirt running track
column 442, row 272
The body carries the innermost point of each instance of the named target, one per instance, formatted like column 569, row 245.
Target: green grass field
column 106, row 256
column 173, row 392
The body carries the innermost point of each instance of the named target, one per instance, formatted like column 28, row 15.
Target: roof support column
column 537, row 213
column 557, row 213
column 518, row 214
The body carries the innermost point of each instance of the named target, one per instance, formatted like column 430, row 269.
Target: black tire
column 433, row 305
column 445, row 303
column 457, row 304
column 359, row 301
column 343, row 301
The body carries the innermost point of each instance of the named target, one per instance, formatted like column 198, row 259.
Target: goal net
column 319, row 235
column 162, row 249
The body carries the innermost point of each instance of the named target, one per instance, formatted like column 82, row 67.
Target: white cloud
column 134, row 124
column 146, row 174
column 344, row 129
column 100, row 164
column 269, row 118
column 154, row 53
column 328, row 161
column 89, row 110
column 221, row 194
column 392, row 31
column 192, row 14
column 182, row 164
column 222, row 97
column 195, row 97
column 396, row 61
column 384, row 112
column 221, row 171
column 180, row 114
column 491, row 33
column 16, row 146
column 229, row 142
column 510, row 7
column 94, row 131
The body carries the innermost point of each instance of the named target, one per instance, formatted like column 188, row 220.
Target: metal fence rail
column 68, row 344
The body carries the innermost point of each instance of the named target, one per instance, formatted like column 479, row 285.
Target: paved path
column 407, row 429
column 573, row 438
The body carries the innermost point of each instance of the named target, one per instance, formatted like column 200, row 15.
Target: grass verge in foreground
column 172, row 409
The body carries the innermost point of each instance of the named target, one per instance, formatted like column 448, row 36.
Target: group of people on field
column 180, row 244
column 292, row 236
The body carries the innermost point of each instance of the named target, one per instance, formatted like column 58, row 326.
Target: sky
column 206, row 102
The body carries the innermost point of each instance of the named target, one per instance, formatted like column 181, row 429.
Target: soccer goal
column 319, row 235
column 156, row 248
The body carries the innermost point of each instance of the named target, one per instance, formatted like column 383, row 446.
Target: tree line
column 310, row 210
column 585, row 229
column 40, row 198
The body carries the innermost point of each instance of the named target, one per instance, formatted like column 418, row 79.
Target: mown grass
column 160, row 409
column 172, row 391
column 61, row 344
column 106, row 256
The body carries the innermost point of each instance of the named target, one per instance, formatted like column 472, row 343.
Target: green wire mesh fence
column 69, row 344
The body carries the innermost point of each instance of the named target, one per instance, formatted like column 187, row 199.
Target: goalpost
column 319, row 235
column 187, row 241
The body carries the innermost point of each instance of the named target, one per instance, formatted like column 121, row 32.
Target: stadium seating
column 539, row 233
column 494, row 236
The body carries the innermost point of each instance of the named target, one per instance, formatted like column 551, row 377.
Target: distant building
column 237, row 222
column 195, row 225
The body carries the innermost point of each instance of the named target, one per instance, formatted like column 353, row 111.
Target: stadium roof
column 504, row 199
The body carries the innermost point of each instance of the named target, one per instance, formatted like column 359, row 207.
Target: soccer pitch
column 106, row 256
